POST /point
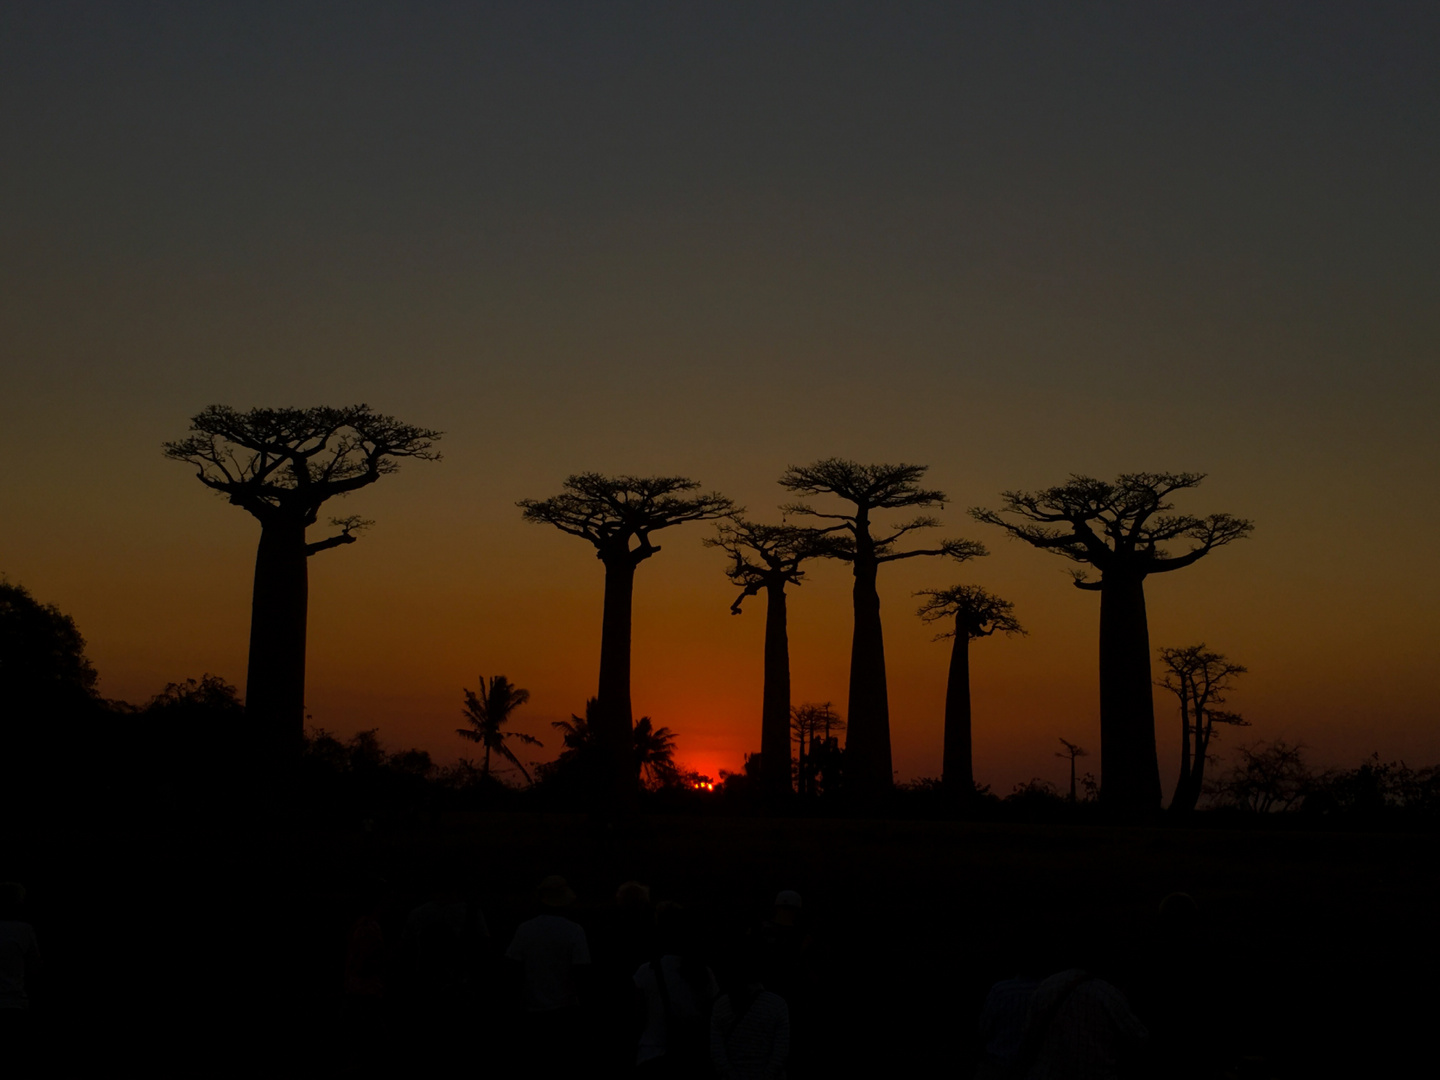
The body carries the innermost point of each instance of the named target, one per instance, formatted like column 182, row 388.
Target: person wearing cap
column 549, row 952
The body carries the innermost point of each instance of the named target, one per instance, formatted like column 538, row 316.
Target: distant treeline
column 66, row 752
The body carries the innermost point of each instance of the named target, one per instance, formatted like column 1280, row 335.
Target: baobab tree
column 870, row 488
column 1200, row 679
column 282, row 465
column 1120, row 529
column 1071, row 752
column 619, row 515
column 488, row 712
column 975, row 614
column 769, row 557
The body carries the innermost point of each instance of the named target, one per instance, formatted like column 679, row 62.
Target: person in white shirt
column 548, row 953
column 676, row 990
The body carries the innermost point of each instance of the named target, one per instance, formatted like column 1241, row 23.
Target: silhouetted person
column 750, row 1025
column 549, row 953
column 19, row 964
column 364, row 1020
column 1079, row 1028
column 677, row 991
column 1002, row 1025
column 623, row 937
column 1179, row 993
column 442, row 942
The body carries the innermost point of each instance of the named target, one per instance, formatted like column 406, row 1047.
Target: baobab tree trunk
column 775, row 707
column 957, row 768
column 1189, row 795
column 615, row 735
column 868, row 769
column 1182, row 785
column 1129, row 767
column 275, row 678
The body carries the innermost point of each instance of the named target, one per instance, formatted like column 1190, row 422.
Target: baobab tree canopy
column 290, row 461
column 768, row 556
column 1115, row 526
column 971, row 609
column 869, row 488
column 613, row 511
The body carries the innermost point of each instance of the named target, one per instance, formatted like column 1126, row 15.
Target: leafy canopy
column 976, row 613
column 289, row 461
column 869, row 488
column 1115, row 526
column 612, row 511
column 768, row 556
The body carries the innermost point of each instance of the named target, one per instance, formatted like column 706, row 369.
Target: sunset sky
column 1011, row 241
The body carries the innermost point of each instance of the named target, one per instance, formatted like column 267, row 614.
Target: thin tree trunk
column 868, row 769
column 957, row 769
column 1182, row 785
column 614, row 732
column 485, row 765
column 1129, row 766
column 275, row 677
column 775, row 708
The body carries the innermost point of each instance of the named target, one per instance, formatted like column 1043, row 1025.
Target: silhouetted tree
column 1120, row 528
column 1268, row 777
column 870, row 488
column 613, row 513
column 1200, row 680
column 1071, row 752
column 976, row 614
column 487, row 713
column 816, row 729
column 47, row 694
column 652, row 749
column 768, row 557
column 282, row 465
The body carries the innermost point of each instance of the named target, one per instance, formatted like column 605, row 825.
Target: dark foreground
column 185, row 952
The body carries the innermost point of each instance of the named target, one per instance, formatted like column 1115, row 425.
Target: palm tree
column 487, row 712
column 654, row 753
column 653, row 747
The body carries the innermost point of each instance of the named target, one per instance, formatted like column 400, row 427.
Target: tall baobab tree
column 282, row 465
column 487, row 713
column 769, row 557
column 870, row 488
column 1200, row 679
column 975, row 614
column 1120, row 528
column 1071, row 752
column 619, row 515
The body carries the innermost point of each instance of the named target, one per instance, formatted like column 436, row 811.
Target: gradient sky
column 1010, row 240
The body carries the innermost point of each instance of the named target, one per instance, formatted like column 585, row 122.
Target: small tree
column 652, row 749
column 815, row 729
column 281, row 466
column 1120, row 528
column 1200, row 680
column 1269, row 777
column 975, row 614
column 487, row 713
column 619, row 515
column 769, row 557
column 870, row 488
column 1072, row 751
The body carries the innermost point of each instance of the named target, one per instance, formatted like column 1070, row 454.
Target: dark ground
column 192, row 953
